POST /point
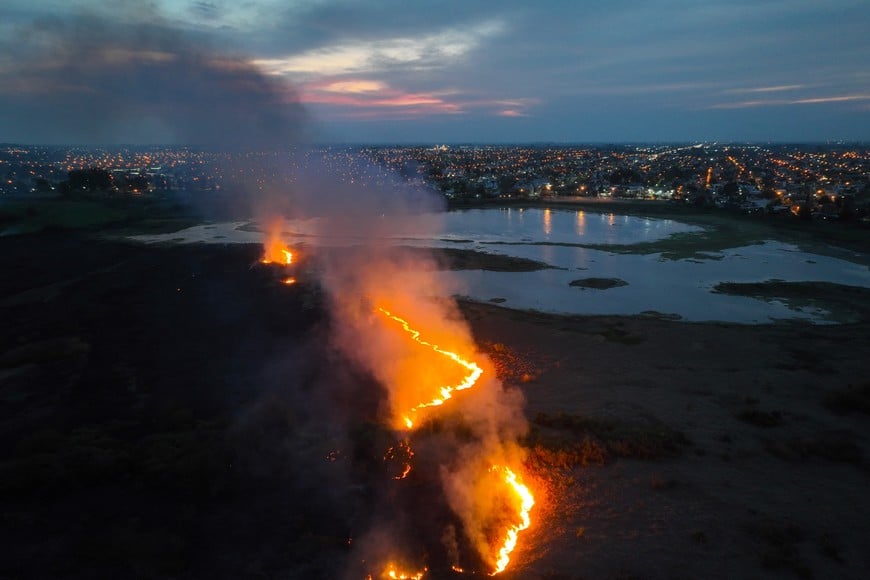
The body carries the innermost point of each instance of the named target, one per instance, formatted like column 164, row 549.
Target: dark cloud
column 550, row 52
column 652, row 70
column 135, row 78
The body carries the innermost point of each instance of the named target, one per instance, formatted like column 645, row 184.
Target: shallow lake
column 678, row 287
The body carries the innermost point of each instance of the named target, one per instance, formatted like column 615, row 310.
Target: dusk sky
column 396, row 71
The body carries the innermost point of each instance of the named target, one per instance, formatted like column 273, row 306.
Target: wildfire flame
column 275, row 251
column 521, row 498
column 475, row 462
column 393, row 574
column 446, row 392
column 527, row 501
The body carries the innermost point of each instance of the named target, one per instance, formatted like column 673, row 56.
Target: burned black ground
column 163, row 415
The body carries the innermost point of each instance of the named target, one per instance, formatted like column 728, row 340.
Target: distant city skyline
column 382, row 71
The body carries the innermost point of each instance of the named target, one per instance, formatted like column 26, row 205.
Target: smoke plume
column 392, row 315
column 128, row 76
column 438, row 469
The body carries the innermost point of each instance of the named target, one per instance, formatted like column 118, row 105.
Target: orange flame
column 446, row 392
column 521, row 497
column 527, row 501
column 289, row 281
column 392, row 573
column 404, row 446
column 275, row 251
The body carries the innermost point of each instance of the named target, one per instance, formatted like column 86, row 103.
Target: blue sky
column 442, row 71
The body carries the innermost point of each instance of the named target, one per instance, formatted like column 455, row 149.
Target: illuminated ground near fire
column 422, row 393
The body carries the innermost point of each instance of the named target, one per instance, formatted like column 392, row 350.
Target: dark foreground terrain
column 174, row 411
column 148, row 397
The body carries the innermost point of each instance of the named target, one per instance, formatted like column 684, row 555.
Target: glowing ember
column 289, row 281
column 403, row 448
column 446, row 392
column 392, row 573
column 526, row 502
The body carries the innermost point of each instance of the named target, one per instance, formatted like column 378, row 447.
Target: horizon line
column 536, row 143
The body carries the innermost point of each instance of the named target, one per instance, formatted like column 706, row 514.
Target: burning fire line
column 276, row 252
column 527, row 502
column 446, row 391
column 524, row 496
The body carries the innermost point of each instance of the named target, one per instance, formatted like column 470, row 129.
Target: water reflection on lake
column 517, row 225
column 680, row 287
column 677, row 287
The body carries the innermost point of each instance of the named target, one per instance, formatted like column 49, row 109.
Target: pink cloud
column 807, row 101
column 368, row 97
column 361, row 98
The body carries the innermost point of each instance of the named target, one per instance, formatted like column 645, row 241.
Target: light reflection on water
column 679, row 287
column 518, row 225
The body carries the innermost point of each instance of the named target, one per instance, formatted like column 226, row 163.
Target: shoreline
column 718, row 234
column 843, row 303
column 848, row 235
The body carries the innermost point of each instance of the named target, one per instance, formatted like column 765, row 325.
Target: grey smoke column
column 131, row 77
